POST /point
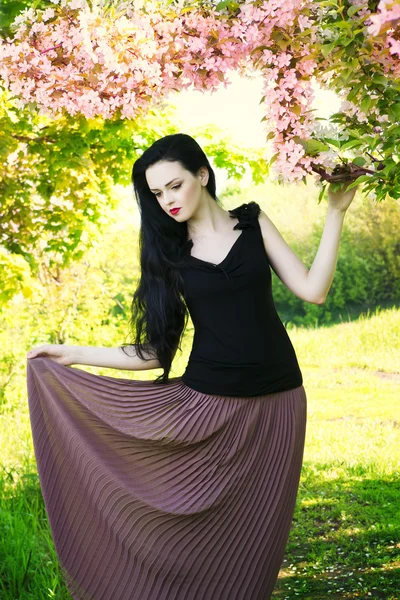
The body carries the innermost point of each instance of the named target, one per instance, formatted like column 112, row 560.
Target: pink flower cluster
column 387, row 20
column 82, row 58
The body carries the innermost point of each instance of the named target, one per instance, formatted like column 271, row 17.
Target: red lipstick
column 174, row 211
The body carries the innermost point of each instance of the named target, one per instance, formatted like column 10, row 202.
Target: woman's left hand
column 341, row 199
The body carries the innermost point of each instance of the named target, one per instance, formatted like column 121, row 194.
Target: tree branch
column 25, row 138
column 344, row 176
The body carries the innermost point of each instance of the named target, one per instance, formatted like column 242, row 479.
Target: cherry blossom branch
column 350, row 174
column 53, row 48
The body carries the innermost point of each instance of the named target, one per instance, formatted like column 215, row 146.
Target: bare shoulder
column 284, row 261
column 271, row 235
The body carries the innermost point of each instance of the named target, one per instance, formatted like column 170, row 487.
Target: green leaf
column 343, row 25
column 258, row 49
column 354, row 91
column 380, row 80
column 359, row 161
column 326, row 48
column 352, row 144
column 227, row 4
column 365, row 104
column 312, row 147
column 321, row 194
column 328, row 3
column 394, row 110
column 357, row 181
column 336, row 143
column 273, row 159
column 346, row 75
column 354, row 133
column 352, row 10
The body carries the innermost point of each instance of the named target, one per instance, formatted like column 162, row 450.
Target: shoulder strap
column 247, row 215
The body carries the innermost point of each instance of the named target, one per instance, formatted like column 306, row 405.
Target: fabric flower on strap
column 247, row 215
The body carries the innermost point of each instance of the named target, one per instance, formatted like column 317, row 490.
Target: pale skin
column 211, row 229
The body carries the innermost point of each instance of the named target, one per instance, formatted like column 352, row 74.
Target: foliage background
column 346, row 525
column 69, row 266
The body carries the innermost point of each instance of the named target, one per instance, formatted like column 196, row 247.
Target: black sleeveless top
column 240, row 345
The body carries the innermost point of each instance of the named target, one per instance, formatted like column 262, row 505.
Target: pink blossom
column 394, row 46
column 77, row 4
column 283, row 60
column 48, row 14
column 95, row 66
column 376, row 24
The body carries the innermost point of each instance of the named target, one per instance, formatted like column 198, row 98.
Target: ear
column 203, row 175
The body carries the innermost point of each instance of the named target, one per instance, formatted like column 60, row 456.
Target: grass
column 344, row 542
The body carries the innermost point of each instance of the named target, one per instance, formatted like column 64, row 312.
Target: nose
column 168, row 200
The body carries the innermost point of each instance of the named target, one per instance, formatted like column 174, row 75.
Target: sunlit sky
column 237, row 111
column 237, row 108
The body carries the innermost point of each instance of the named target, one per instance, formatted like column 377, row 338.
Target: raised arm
column 311, row 285
column 112, row 358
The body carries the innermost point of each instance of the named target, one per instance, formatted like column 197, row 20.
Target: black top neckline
column 247, row 216
column 208, row 262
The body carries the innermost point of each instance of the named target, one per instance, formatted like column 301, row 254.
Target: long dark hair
column 159, row 312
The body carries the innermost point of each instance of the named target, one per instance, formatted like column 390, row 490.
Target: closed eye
column 175, row 187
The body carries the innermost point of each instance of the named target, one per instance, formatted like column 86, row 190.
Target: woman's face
column 175, row 187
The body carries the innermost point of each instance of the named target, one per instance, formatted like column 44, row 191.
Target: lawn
column 345, row 539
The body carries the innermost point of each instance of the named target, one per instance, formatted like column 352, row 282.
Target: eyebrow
column 169, row 183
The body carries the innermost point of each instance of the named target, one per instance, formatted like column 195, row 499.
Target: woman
column 183, row 488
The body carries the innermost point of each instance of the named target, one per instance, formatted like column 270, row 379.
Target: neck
column 208, row 219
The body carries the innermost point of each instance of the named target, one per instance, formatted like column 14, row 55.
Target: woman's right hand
column 60, row 353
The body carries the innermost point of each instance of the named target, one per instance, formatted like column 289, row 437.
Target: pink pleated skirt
column 160, row 492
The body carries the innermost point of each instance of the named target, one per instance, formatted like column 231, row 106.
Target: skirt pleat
column 160, row 492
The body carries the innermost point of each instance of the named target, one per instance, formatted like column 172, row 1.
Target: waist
column 246, row 379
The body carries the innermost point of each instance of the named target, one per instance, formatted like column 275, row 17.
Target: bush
column 367, row 271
